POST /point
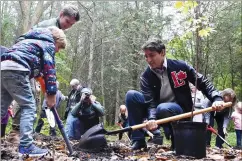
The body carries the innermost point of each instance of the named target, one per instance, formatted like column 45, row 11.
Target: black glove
column 3, row 129
column 66, row 114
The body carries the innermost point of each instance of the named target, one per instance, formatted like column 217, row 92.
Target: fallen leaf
column 143, row 159
column 88, row 156
column 28, row 159
column 161, row 158
column 114, row 157
column 179, row 4
column 61, row 147
column 216, row 157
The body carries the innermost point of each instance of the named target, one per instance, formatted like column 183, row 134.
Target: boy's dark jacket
column 179, row 74
column 36, row 53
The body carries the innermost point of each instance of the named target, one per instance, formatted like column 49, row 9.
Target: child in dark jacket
column 221, row 118
column 32, row 57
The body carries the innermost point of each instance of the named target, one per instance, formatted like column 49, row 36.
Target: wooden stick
column 181, row 116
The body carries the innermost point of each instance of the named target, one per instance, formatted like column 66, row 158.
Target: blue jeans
column 219, row 117
column 137, row 110
column 238, row 136
column 15, row 85
column 73, row 127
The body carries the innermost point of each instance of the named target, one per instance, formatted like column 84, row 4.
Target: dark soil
column 115, row 150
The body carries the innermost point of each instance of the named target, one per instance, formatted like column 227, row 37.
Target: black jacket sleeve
column 149, row 98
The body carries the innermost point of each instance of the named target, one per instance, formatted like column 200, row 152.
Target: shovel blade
column 93, row 139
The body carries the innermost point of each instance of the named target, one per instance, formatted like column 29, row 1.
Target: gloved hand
column 225, row 131
column 66, row 114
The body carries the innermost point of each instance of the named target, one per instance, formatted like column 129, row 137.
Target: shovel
column 94, row 137
column 121, row 127
column 57, row 118
column 61, row 128
column 50, row 117
column 210, row 128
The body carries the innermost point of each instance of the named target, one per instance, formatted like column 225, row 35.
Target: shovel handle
column 211, row 129
column 57, row 118
column 61, row 128
column 181, row 116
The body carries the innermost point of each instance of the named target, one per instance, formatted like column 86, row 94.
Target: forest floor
column 115, row 150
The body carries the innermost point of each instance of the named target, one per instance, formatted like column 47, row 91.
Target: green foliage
column 62, row 67
column 7, row 30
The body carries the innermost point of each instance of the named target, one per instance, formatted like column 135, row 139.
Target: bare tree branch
column 86, row 9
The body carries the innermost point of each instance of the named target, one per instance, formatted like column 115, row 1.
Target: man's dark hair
column 71, row 11
column 153, row 44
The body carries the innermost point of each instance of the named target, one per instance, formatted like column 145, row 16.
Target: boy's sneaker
column 32, row 151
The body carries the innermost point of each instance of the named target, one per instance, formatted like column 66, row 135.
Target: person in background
column 221, row 117
column 72, row 126
column 198, row 102
column 199, row 96
column 123, row 120
column 87, row 110
column 4, row 120
column 237, row 119
column 19, row 64
column 59, row 98
column 68, row 16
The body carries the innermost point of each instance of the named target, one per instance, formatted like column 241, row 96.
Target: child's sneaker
column 32, row 151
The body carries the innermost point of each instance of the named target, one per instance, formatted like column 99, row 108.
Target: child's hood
column 40, row 34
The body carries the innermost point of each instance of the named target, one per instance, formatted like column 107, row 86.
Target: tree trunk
column 1, row 10
column 198, row 41
column 92, row 39
column 25, row 10
column 39, row 11
column 231, row 67
column 25, row 7
column 102, row 78
column 117, row 103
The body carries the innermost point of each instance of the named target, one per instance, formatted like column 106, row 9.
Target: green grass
column 231, row 138
column 44, row 130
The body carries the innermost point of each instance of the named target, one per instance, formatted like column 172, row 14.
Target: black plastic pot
column 190, row 138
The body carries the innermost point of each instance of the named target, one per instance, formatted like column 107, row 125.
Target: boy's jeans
column 15, row 85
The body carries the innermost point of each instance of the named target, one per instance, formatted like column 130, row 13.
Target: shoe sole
column 32, row 155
